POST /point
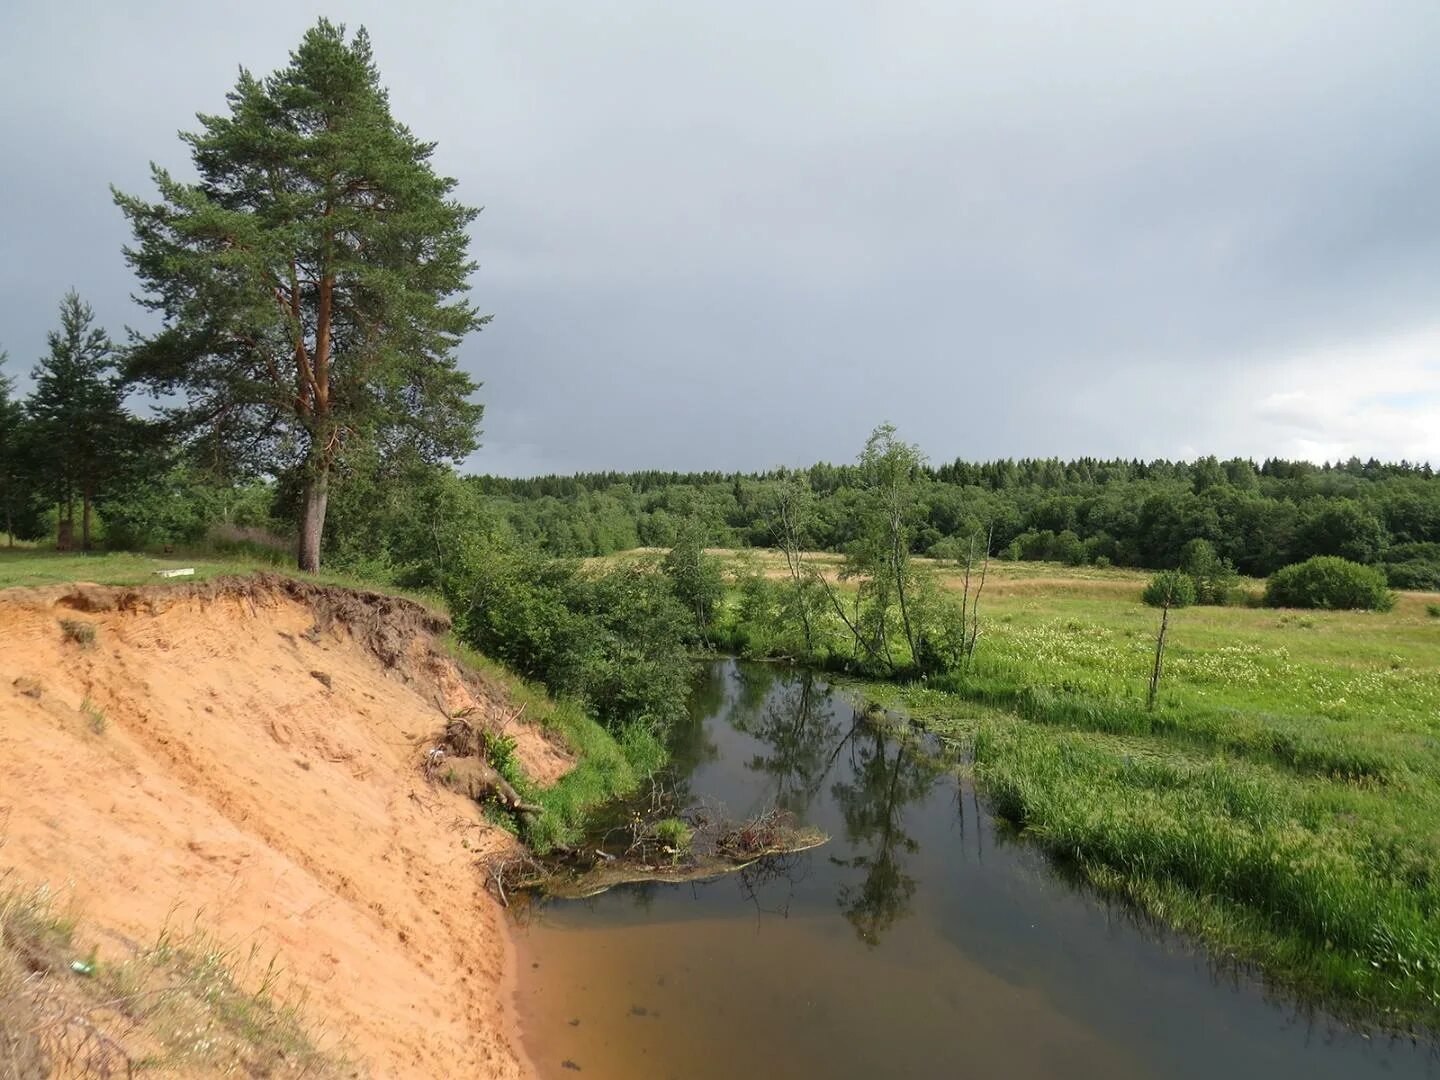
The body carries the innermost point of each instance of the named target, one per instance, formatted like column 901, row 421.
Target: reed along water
column 923, row 940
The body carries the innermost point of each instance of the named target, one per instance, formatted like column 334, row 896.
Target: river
column 922, row 940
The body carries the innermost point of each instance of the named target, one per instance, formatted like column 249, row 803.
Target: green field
column 1282, row 801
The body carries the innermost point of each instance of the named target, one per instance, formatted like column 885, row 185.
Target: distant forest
column 1087, row 511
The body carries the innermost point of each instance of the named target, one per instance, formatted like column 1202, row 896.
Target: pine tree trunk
column 312, row 525
column 65, row 526
column 85, row 521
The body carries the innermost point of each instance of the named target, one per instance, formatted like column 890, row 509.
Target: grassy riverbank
column 1282, row 801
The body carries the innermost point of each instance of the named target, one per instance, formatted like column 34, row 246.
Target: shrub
column 1330, row 582
column 500, row 750
column 1414, row 574
column 77, row 631
column 1170, row 586
column 1212, row 576
column 615, row 639
column 1433, row 610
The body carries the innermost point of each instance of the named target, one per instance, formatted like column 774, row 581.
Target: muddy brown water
column 923, row 940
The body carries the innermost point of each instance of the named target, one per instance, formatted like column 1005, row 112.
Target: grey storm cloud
column 738, row 235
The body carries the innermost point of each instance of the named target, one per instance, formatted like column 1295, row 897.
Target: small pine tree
column 80, row 436
column 1212, row 576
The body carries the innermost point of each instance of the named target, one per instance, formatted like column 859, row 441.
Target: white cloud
column 1375, row 398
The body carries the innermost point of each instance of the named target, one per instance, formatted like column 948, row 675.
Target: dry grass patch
column 187, row 1003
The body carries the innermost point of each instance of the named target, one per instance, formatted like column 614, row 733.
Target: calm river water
column 920, row 941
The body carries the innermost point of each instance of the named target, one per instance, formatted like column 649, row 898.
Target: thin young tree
column 312, row 283
column 80, row 436
column 793, row 507
column 890, row 469
column 1168, row 589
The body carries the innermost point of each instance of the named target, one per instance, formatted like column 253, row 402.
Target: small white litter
column 187, row 572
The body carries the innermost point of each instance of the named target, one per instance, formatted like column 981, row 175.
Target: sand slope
column 258, row 770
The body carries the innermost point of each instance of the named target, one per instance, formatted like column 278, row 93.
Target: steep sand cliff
column 245, row 755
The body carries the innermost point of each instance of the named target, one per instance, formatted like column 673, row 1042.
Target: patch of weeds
column 94, row 716
column 35, row 939
column 500, row 818
column 1433, row 610
column 33, row 928
column 78, row 632
column 675, row 835
column 189, row 1004
column 206, row 1016
column 500, row 750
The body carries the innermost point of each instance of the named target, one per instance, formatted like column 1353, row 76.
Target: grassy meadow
column 1282, row 800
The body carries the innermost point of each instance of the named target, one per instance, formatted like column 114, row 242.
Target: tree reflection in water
column 806, row 733
column 798, row 722
column 885, row 777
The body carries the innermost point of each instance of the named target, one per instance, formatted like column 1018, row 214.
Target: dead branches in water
column 768, row 832
column 658, row 844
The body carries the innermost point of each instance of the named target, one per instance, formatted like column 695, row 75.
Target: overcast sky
column 733, row 235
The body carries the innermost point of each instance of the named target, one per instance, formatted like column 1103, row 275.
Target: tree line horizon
column 312, row 288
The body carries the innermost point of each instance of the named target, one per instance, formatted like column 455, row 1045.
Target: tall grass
column 1331, row 888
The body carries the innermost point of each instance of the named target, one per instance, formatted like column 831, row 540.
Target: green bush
column 674, row 834
column 1413, row 574
column 1328, row 581
column 1433, row 610
column 1172, row 585
column 614, row 640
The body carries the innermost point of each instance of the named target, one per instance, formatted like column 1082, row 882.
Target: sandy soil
column 256, row 773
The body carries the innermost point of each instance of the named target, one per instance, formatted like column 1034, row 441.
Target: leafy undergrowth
column 607, row 767
column 188, row 1003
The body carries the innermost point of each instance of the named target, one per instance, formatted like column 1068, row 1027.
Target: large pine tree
column 312, row 283
column 79, row 437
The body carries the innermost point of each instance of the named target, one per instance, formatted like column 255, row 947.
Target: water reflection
column 797, row 723
column 922, row 940
column 884, row 780
column 804, row 730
